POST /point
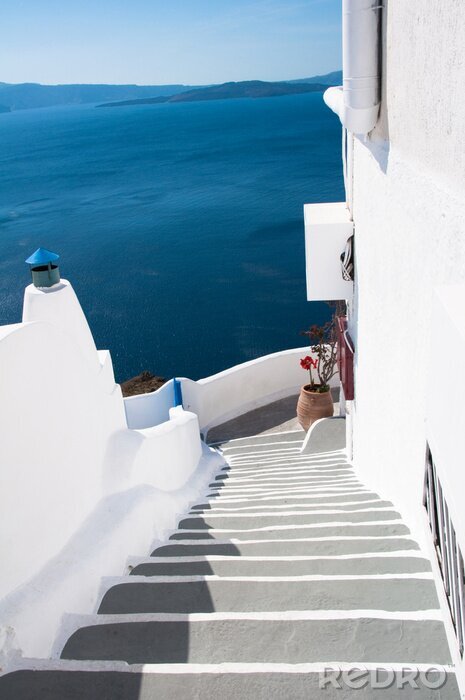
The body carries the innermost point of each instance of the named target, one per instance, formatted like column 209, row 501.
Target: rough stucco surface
column 409, row 213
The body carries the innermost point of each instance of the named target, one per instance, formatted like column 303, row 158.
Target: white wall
column 80, row 492
column 59, row 305
column 409, row 214
column 146, row 410
column 445, row 415
column 55, row 421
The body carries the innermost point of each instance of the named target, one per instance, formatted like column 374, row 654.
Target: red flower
column 308, row 362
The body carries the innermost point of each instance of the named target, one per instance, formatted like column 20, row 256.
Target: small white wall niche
column 327, row 228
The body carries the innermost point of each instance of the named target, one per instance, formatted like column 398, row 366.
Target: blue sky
column 167, row 41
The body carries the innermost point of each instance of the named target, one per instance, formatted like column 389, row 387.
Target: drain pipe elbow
column 357, row 101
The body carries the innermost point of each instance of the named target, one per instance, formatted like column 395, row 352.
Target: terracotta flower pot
column 312, row 405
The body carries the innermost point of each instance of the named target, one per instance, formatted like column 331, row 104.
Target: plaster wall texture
column 79, row 491
column 409, row 213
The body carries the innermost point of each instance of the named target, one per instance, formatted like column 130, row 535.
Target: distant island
column 34, row 95
column 227, row 91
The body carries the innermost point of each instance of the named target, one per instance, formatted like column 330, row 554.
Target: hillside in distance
column 33, row 95
column 334, row 78
column 228, row 91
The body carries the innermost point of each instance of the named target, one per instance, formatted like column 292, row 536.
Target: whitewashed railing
column 227, row 394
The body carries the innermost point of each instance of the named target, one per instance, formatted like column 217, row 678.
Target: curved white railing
column 244, row 387
column 227, row 394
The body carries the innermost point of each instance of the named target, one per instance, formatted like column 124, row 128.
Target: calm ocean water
column 180, row 226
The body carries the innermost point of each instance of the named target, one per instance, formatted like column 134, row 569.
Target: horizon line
column 283, row 80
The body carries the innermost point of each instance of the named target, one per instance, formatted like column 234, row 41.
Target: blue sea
column 180, row 226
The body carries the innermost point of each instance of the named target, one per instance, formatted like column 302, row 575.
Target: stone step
column 255, row 468
column 301, row 473
column 289, row 532
column 286, row 467
column 211, row 682
column 293, row 471
column 207, row 508
column 236, row 566
column 316, row 499
column 291, row 451
column 305, row 489
column 280, row 483
column 359, row 640
column 263, row 484
column 308, row 491
column 238, row 521
column 316, row 492
column 290, row 454
column 288, row 436
column 262, row 464
column 298, row 547
column 257, row 595
column 304, row 476
column 263, row 448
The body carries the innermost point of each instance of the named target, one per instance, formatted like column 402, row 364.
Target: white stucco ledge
column 168, row 453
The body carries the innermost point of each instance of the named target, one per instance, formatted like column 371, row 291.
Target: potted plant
column 315, row 400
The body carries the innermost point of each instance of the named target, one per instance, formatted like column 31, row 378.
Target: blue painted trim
column 177, row 392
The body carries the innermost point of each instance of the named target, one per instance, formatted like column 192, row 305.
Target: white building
column 404, row 167
column 89, row 482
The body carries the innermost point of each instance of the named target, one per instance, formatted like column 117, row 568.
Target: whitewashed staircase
column 287, row 567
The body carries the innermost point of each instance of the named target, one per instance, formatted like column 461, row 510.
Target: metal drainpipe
column 361, row 62
column 357, row 101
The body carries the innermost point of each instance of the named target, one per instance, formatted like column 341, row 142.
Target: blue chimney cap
column 42, row 256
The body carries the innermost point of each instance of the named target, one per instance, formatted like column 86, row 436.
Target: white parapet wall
column 146, row 410
column 80, row 490
column 242, row 388
column 225, row 395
